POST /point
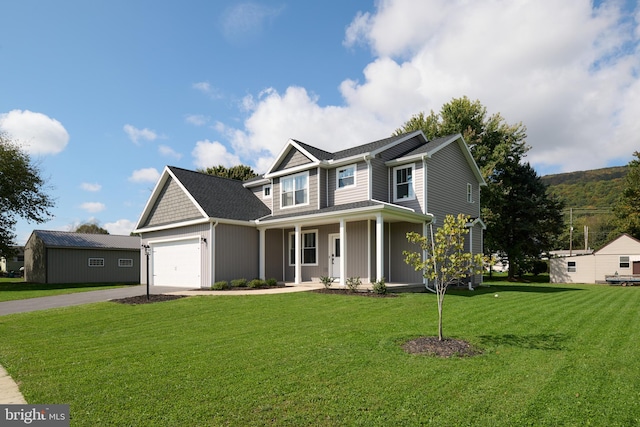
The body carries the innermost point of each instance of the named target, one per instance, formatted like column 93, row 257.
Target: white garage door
column 177, row 263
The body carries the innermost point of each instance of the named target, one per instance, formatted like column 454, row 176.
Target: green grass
column 554, row 355
column 15, row 289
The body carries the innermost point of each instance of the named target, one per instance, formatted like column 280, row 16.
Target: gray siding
column 357, row 250
column 448, row 175
column 349, row 194
column 172, row 205
column 236, row 252
column 380, row 178
column 259, row 193
column 399, row 271
column 312, row 272
column 292, row 159
column 274, row 254
column 66, row 265
column 323, row 183
column 35, row 261
column 313, row 195
column 417, row 203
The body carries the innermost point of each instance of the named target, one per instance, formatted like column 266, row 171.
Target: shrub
column 326, row 281
column 380, row 287
column 239, row 283
column 272, row 282
column 353, row 283
column 218, row 286
column 257, row 283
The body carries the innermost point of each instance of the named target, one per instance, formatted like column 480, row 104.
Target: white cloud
column 196, row 119
column 569, row 72
column 145, row 175
column 36, row 132
column 169, row 152
column 244, row 22
column 92, row 187
column 122, row 227
column 210, row 91
column 207, row 154
column 93, row 207
column 136, row 135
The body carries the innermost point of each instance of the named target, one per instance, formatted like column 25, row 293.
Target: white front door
column 334, row 256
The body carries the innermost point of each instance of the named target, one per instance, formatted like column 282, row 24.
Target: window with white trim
column 571, row 266
column 294, row 190
column 624, row 262
column 125, row 262
column 266, row 191
column 346, row 176
column 309, row 252
column 96, row 262
column 403, row 183
column 469, row 193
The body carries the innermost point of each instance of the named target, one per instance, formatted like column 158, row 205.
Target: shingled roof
column 221, row 197
column 66, row 239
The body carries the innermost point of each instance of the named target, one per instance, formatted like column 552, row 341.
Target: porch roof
column 357, row 210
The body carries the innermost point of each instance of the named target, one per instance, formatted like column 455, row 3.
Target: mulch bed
column 448, row 347
column 358, row 293
column 142, row 299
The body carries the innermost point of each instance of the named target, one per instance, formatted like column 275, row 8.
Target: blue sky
column 104, row 94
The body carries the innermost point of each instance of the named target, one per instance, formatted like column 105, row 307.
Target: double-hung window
column 309, row 255
column 624, row 262
column 403, row 183
column 346, row 176
column 294, row 190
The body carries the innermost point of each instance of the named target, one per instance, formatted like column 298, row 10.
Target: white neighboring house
column 620, row 257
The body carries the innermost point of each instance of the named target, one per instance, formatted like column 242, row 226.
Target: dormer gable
column 292, row 158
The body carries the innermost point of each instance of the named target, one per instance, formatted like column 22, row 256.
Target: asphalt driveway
column 78, row 298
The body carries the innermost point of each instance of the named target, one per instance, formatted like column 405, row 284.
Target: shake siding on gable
column 292, row 159
column 172, row 205
column 313, row 196
column 448, row 175
column 340, row 196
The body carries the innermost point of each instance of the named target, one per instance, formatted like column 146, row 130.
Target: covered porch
column 362, row 240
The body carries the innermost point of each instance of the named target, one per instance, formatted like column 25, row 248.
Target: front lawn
column 15, row 289
column 553, row 355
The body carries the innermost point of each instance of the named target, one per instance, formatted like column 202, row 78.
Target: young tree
column 498, row 149
column 22, row 191
column 239, row 172
column 444, row 261
column 627, row 209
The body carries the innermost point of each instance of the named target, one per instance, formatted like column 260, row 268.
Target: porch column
column 379, row 247
column 261, row 260
column 343, row 252
column 298, row 267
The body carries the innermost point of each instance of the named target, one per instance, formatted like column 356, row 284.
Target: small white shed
column 621, row 256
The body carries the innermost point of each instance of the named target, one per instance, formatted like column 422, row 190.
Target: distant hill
column 597, row 188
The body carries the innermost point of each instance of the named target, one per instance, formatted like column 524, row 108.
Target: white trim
column 264, row 189
column 300, row 248
column 293, row 177
column 99, row 265
column 291, row 143
column 353, row 166
column 125, row 265
column 410, row 183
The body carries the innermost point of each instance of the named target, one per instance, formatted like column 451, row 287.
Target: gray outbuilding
column 65, row 257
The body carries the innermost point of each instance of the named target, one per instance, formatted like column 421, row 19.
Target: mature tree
column 498, row 148
column 627, row 209
column 445, row 261
column 90, row 228
column 239, row 172
column 22, row 191
column 522, row 219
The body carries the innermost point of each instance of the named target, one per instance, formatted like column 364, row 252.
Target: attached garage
column 176, row 263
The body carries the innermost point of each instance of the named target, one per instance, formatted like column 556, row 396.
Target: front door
column 334, row 256
column 636, row 267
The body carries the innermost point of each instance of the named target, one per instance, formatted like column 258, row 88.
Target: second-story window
column 295, row 190
column 266, row 191
column 346, row 176
column 403, row 183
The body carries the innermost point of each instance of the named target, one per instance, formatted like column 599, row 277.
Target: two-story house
column 312, row 214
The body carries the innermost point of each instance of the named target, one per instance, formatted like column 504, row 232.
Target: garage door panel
column 177, row 263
